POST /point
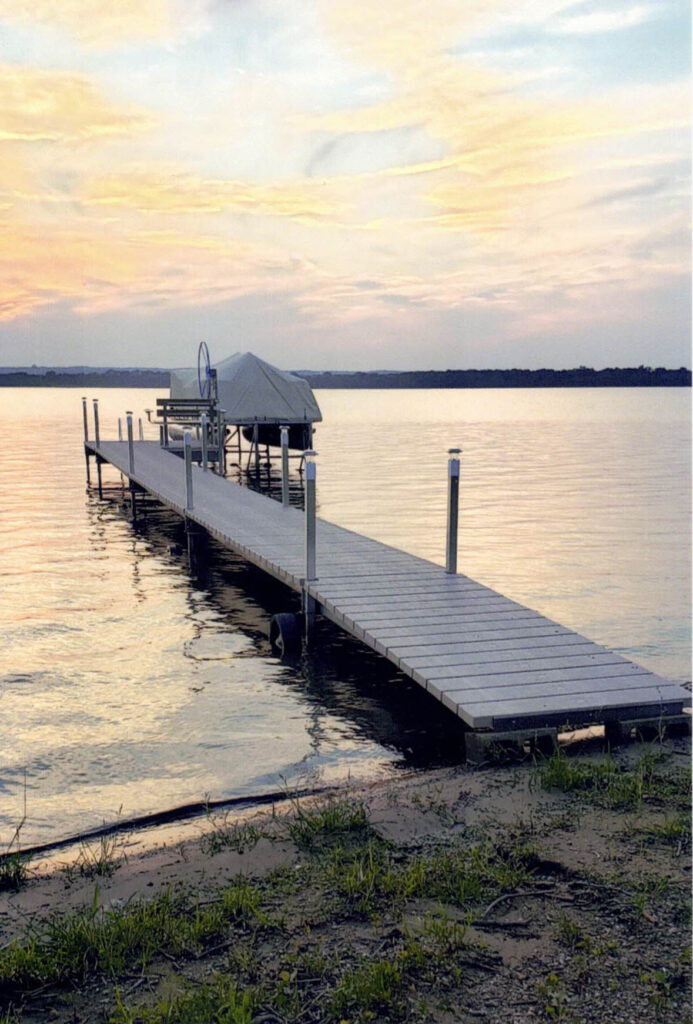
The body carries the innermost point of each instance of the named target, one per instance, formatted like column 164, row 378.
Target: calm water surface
column 128, row 687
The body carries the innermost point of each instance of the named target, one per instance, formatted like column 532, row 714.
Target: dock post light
column 453, row 510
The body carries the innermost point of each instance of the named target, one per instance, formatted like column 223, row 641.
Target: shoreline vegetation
column 518, row 893
column 581, row 377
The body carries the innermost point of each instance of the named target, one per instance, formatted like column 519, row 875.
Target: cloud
column 105, row 23
column 605, row 20
column 59, row 107
column 177, row 193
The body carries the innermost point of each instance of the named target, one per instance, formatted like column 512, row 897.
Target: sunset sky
column 345, row 184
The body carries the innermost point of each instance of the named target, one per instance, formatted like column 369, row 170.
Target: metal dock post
column 131, row 444
column 221, row 432
column 97, row 445
column 85, row 420
column 310, row 540
column 141, row 431
column 187, row 453
column 285, row 466
column 453, row 510
column 203, row 434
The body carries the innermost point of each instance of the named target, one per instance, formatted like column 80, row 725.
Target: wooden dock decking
column 496, row 664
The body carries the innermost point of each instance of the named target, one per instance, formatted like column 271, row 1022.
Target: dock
column 501, row 667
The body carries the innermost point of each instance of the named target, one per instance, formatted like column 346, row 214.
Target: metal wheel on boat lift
column 285, row 634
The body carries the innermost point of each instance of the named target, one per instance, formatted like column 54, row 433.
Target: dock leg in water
column 195, row 536
column 98, row 476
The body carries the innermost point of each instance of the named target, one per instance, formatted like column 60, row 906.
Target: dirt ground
column 507, row 894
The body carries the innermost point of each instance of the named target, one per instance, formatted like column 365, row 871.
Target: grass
column 371, row 882
column 338, row 822
column 238, row 836
column 370, row 987
column 612, row 785
column 100, row 860
column 219, row 1001
column 70, row 948
column 13, row 871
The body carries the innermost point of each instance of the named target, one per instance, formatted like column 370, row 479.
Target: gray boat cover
column 252, row 391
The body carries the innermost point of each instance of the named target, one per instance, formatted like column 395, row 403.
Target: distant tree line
column 582, row 377
column 93, row 379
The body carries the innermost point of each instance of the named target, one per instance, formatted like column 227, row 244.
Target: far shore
column 579, row 377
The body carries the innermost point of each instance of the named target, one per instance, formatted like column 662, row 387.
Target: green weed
column 370, row 987
column 13, row 870
column 340, row 821
column 239, row 836
column 67, row 949
column 218, row 1002
column 554, row 995
column 612, row 785
column 95, row 861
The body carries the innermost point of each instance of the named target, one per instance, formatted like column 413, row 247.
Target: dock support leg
column 194, row 535
column 98, row 476
column 86, row 458
column 256, row 446
column 133, row 501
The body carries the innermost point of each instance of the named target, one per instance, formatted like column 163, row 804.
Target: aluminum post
column 120, row 429
column 203, row 433
column 187, row 452
column 221, row 438
column 256, row 445
column 453, row 510
column 131, row 445
column 97, row 438
column 310, row 540
column 285, row 466
column 141, row 431
column 85, row 421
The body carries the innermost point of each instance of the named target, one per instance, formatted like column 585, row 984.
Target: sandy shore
column 498, row 895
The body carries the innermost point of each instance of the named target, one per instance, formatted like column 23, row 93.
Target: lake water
column 127, row 687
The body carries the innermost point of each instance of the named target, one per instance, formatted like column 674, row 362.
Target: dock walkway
column 496, row 664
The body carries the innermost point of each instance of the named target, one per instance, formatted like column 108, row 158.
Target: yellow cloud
column 177, row 193
column 103, row 22
column 147, row 270
column 54, row 106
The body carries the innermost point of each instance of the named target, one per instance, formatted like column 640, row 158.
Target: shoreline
column 562, row 872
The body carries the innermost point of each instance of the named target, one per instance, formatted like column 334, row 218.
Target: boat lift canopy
column 250, row 391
